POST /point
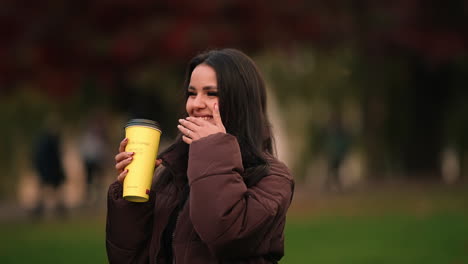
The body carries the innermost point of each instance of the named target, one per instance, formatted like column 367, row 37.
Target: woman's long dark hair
column 242, row 105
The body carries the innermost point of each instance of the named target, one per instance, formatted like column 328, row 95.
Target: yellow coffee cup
column 143, row 139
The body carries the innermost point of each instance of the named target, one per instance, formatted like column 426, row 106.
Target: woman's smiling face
column 202, row 93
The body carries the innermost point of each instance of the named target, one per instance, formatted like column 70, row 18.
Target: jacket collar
column 175, row 158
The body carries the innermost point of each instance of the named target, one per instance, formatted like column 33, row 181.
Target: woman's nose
column 199, row 102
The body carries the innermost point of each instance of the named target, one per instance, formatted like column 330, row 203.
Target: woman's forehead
column 203, row 76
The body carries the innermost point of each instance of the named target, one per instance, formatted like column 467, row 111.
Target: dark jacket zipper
column 169, row 243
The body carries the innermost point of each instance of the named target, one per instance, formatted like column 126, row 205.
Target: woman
column 219, row 195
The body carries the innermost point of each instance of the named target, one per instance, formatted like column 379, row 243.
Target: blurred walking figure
column 337, row 144
column 93, row 149
column 47, row 159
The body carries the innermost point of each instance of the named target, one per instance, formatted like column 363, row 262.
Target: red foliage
column 67, row 39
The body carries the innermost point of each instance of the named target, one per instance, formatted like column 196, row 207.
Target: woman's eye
column 212, row 93
column 191, row 94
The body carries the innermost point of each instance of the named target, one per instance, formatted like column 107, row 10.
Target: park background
column 394, row 73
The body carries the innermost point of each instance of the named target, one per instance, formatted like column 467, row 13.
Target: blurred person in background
column 337, row 143
column 47, row 160
column 219, row 194
column 94, row 152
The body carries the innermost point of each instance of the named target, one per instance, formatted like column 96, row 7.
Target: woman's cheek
column 214, row 101
column 188, row 105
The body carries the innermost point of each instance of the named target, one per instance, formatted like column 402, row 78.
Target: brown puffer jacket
column 222, row 221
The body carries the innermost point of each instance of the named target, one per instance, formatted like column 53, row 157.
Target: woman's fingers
column 191, row 123
column 123, row 155
column 158, row 162
column 123, row 144
column 196, row 122
column 186, row 132
column 195, row 128
column 120, row 166
column 187, row 140
column 122, row 175
column 122, row 159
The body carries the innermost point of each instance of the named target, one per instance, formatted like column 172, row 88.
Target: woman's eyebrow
column 205, row 88
column 210, row 88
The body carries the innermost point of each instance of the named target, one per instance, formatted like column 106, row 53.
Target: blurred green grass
column 438, row 238
column 54, row 241
column 399, row 226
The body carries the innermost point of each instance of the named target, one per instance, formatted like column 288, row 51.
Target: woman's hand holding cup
column 123, row 159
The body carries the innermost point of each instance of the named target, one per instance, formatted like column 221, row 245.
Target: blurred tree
column 403, row 57
column 427, row 38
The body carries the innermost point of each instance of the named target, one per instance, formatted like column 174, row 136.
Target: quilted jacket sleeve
column 228, row 216
column 128, row 227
